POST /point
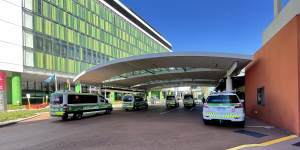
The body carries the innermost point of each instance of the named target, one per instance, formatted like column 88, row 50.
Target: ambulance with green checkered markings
column 224, row 106
column 65, row 104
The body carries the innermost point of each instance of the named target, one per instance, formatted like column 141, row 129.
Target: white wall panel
column 11, row 52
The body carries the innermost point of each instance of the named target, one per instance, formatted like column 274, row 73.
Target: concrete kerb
column 11, row 122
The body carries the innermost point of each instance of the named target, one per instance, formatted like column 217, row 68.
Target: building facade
column 272, row 78
column 66, row 37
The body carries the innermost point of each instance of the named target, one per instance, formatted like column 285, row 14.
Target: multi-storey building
column 65, row 37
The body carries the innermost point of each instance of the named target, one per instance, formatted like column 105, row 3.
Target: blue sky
column 233, row 26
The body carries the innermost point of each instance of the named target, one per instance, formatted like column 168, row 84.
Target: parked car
column 171, row 102
column 132, row 102
column 188, row 101
column 224, row 106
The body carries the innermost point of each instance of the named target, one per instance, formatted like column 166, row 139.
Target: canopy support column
column 228, row 83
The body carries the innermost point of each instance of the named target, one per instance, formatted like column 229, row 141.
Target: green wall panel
column 16, row 90
column 89, row 26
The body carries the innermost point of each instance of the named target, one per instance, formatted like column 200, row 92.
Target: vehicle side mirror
column 242, row 101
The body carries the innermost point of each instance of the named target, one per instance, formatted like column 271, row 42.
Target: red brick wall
column 276, row 67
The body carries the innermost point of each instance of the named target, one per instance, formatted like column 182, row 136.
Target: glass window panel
column 89, row 56
column 56, row 47
column 94, row 58
column 28, row 4
column 29, row 59
column 84, row 55
column 38, row 43
column 63, row 52
column 28, row 40
column 77, row 53
column 71, row 51
column 48, row 45
column 28, row 21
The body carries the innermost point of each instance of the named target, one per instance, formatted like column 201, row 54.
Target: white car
column 224, row 106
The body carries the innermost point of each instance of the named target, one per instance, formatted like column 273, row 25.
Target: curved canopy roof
column 146, row 69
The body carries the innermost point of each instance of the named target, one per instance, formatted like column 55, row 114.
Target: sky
column 231, row 26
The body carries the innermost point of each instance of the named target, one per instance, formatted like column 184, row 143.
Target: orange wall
column 275, row 66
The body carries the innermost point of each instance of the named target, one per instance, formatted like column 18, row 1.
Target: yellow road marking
column 268, row 143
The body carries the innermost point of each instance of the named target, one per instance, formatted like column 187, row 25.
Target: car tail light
column 205, row 105
column 65, row 107
column 238, row 106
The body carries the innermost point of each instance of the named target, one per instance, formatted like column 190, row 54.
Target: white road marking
column 192, row 108
column 165, row 112
column 267, row 127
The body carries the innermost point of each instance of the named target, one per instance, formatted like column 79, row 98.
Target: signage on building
column 2, row 91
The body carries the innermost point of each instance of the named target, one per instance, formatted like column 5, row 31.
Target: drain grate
column 251, row 133
column 297, row 144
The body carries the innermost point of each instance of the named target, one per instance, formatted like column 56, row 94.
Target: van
column 132, row 102
column 65, row 103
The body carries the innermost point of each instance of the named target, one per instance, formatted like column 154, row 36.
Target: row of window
column 60, row 32
column 60, row 15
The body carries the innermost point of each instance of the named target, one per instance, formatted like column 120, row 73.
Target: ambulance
column 224, row 106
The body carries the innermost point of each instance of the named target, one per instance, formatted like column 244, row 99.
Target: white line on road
column 192, row 108
column 267, row 127
column 165, row 112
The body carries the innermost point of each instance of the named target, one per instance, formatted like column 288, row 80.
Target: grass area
column 6, row 116
column 14, row 107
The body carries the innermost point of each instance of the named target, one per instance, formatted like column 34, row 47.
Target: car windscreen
column 127, row 98
column 170, row 98
column 138, row 99
column 56, row 99
column 188, row 96
column 80, row 99
column 223, row 99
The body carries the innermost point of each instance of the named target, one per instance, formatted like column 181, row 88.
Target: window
column 89, row 56
column 127, row 98
column 94, row 58
column 223, row 99
column 28, row 40
column 80, row 99
column 38, row 43
column 63, row 52
column 84, row 55
column 170, row 98
column 28, row 4
column 99, row 60
column 39, row 5
column 56, row 99
column 28, row 21
column 29, row 59
column 261, row 96
column 102, row 99
column 77, row 53
column 188, row 97
column 48, row 45
column 138, row 99
column 56, row 47
column 71, row 51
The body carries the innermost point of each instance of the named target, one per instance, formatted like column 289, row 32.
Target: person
column 203, row 100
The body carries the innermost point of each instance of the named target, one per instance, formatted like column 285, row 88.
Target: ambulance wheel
column 107, row 111
column 134, row 108
column 241, row 124
column 77, row 115
column 206, row 122
column 65, row 117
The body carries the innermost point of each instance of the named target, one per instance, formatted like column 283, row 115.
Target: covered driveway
column 148, row 71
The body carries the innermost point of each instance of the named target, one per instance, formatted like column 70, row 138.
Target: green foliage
column 6, row 116
column 14, row 107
